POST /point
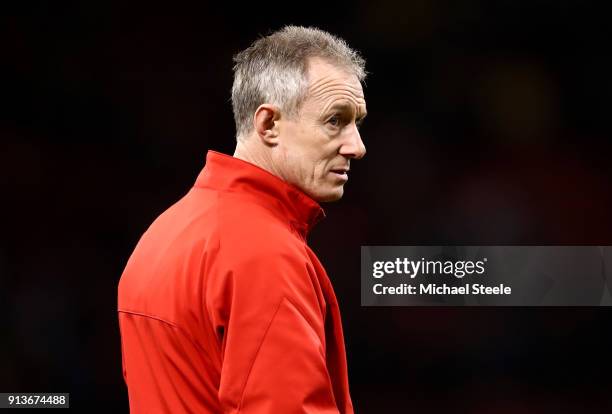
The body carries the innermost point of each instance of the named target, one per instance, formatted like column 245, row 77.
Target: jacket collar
column 226, row 173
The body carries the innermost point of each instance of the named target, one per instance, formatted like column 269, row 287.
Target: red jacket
column 223, row 308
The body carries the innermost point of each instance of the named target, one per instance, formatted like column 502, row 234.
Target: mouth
column 341, row 173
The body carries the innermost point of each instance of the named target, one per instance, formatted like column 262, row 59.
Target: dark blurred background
column 488, row 124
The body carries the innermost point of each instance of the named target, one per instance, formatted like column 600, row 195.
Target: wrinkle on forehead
column 323, row 75
column 330, row 85
column 339, row 94
column 332, row 89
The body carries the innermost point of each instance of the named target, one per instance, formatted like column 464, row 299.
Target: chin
column 328, row 196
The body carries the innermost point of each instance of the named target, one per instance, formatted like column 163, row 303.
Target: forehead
column 329, row 82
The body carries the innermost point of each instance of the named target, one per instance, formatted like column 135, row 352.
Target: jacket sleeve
column 269, row 314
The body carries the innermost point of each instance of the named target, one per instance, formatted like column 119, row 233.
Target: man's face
column 316, row 147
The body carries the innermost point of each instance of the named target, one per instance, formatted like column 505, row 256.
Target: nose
column 353, row 146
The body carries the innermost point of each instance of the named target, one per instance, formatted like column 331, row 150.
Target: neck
column 247, row 151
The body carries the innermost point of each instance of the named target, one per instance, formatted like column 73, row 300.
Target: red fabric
column 223, row 308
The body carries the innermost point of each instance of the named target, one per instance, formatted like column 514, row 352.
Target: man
column 223, row 308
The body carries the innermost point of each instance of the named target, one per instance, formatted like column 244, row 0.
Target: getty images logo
column 412, row 268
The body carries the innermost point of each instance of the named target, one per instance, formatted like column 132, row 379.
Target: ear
column 264, row 122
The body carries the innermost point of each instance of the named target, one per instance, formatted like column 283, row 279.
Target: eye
column 334, row 121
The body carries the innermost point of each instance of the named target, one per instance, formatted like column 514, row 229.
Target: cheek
column 311, row 168
column 310, row 154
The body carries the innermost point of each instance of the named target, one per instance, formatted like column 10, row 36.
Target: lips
column 340, row 170
column 341, row 173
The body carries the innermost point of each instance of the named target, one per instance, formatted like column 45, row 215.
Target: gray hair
column 273, row 70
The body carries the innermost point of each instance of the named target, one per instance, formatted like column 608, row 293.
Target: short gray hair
column 273, row 70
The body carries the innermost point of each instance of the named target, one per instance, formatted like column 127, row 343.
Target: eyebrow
column 348, row 108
